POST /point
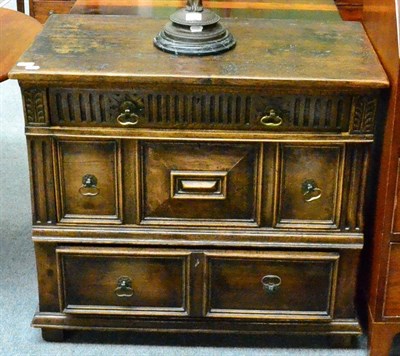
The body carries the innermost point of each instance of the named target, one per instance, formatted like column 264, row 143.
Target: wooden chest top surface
column 95, row 50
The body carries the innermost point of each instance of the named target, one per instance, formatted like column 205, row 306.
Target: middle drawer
column 161, row 183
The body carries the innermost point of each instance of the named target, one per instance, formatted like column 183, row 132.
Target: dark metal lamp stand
column 194, row 31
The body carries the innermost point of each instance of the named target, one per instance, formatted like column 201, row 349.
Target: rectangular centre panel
column 200, row 183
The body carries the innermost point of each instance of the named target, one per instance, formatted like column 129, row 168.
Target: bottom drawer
column 289, row 285
column 223, row 284
column 122, row 281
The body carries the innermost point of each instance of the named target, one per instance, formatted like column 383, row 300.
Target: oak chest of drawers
column 206, row 194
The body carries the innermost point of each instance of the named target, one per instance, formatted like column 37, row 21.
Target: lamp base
column 194, row 34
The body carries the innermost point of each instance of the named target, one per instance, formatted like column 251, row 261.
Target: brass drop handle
column 124, row 287
column 129, row 114
column 271, row 283
column 271, row 119
column 89, row 186
column 310, row 190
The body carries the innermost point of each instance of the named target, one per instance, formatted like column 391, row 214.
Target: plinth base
column 178, row 39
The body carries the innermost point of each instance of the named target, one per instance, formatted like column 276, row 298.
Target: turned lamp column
column 194, row 5
column 194, row 31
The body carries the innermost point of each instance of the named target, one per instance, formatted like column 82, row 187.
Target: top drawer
column 176, row 110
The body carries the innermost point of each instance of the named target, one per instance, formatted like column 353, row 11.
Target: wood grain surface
column 81, row 48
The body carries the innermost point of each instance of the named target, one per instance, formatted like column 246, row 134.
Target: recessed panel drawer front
column 310, row 188
column 199, row 183
column 123, row 281
column 205, row 110
column 88, row 182
column 271, row 285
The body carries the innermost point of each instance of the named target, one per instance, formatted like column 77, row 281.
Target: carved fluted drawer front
column 311, row 179
column 122, row 281
column 131, row 109
column 298, row 285
column 199, row 183
column 89, row 189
